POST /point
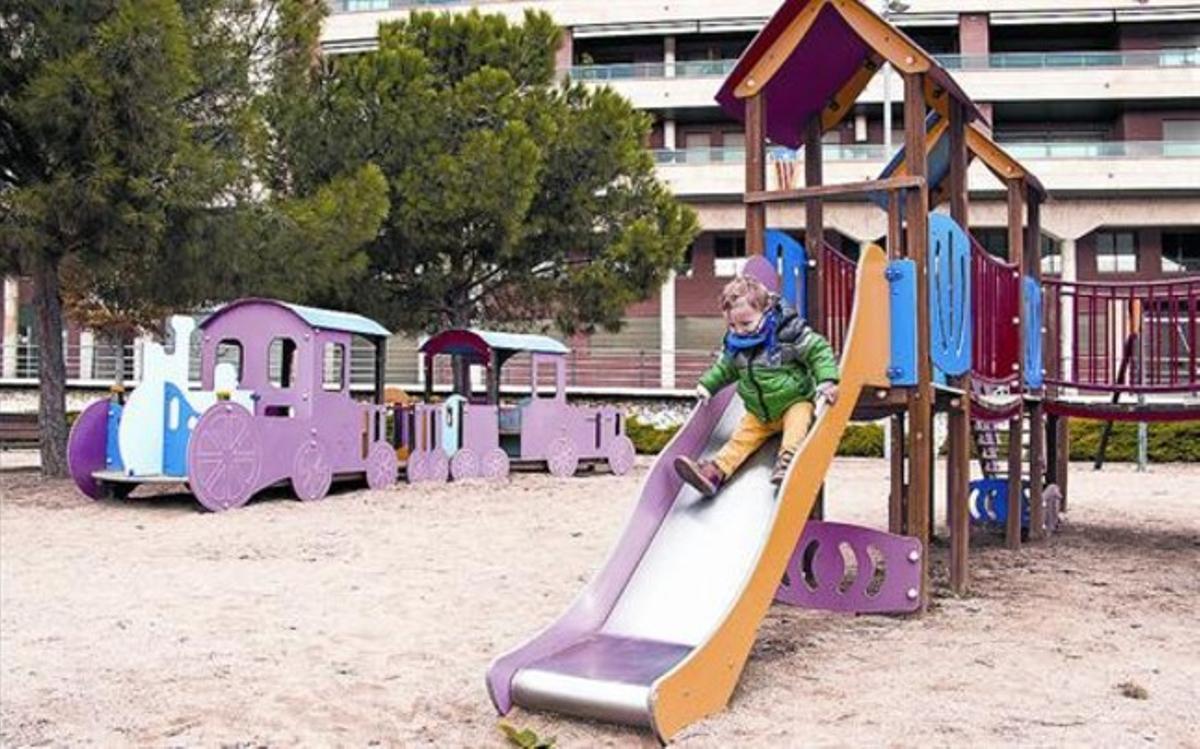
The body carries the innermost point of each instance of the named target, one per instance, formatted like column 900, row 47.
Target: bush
column 1168, row 443
column 648, row 439
column 860, row 440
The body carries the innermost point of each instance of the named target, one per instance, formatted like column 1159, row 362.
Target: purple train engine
column 274, row 406
column 474, row 434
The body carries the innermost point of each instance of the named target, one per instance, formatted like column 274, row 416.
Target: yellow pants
column 752, row 432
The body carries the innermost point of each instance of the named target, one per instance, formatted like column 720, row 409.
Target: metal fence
column 601, row 369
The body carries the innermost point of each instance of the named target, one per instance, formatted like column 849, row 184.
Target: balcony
column 1064, row 167
column 1009, row 76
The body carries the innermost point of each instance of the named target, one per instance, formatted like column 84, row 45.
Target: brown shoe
column 781, row 466
column 704, row 477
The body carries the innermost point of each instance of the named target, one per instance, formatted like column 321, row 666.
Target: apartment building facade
column 1100, row 98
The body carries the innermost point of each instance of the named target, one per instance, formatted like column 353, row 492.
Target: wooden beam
column 958, row 466
column 1016, row 255
column 895, row 236
column 833, row 191
column 814, row 225
column 1037, row 414
column 814, row 231
column 920, row 408
column 380, row 369
column 756, row 173
column 896, row 496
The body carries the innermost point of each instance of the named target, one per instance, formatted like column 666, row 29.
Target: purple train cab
column 475, row 433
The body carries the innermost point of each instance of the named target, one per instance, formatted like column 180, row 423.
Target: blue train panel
column 178, row 417
column 112, row 447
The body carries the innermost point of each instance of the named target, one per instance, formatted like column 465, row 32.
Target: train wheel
column 224, row 457
column 382, row 466
column 464, row 464
column 495, row 465
column 561, row 458
column 621, row 455
column 312, row 474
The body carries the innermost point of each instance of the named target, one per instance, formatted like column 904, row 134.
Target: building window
column 994, row 241
column 729, row 251
column 1116, row 252
column 1181, row 251
column 1051, row 255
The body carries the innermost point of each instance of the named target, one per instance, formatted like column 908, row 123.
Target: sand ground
column 370, row 618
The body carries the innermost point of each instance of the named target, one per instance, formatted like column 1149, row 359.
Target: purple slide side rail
column 590, row 610
column 822, row 584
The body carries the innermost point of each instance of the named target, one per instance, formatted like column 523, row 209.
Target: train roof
column 474, row 341
column 325, row 319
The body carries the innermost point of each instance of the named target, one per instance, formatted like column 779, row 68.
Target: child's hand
column 702, row 394
column 828, row 391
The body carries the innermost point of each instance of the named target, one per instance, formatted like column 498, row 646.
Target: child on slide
column 781, row 366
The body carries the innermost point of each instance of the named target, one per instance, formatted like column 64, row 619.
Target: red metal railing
column 1138, row 337
column 837, row 285
column 995, row 295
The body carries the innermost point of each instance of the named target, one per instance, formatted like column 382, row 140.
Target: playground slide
column 660, row 636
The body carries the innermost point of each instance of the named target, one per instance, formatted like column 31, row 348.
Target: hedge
column 860, row 440
column 1169, row 442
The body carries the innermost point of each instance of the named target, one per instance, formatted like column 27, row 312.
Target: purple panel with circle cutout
column 886, row 580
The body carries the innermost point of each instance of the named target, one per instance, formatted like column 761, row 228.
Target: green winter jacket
column 770, row 379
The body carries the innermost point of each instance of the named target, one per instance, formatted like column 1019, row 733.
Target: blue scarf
column 735, row 342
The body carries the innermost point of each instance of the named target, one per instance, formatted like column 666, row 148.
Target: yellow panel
column 703, row 682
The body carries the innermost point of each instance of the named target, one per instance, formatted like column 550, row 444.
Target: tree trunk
column 52, row 368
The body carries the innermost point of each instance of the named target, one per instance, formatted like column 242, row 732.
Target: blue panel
column 988, row 501
column 949, row 295
column 177, row 429
column 1032, row 299
column 902, row 299
column 452, row 416
column 112, row 448
column 791, row 262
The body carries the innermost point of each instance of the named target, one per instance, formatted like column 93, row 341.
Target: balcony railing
column 1159, row 58
column 1165, row 58
column 363, row 6
column 875, row 152
column 737, row 155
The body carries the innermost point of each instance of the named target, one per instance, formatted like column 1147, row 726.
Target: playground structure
column 659, row 637
column 472, row 435
column 274, row 406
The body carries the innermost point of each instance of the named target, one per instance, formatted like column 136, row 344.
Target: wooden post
column 814, row 234
column 896, row 509
column 958, row 465
column 1016, row 255
column 756, row 172
column 814, row 225
column 1037, row 415
column 920, row 407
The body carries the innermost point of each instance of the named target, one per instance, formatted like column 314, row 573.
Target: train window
column 333, row 368
column 281, row 362
column 229, row 351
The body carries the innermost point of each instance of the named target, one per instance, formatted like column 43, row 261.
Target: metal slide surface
column 660, row 636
